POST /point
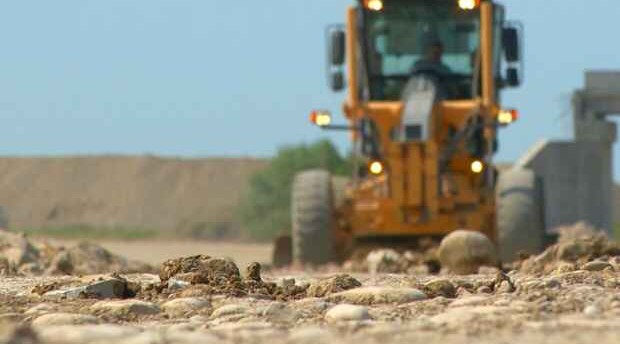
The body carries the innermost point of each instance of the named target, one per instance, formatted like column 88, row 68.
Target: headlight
column 477, row 166
column 376, row 167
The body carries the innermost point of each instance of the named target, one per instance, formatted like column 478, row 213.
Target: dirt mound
column 192, row 195
column 577, row 248
column 203, row 275
column 19, row 255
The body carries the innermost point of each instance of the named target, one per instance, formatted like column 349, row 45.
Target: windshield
column 409, row 37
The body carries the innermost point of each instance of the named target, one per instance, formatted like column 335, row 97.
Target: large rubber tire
column 312, row 212
column 520, row 223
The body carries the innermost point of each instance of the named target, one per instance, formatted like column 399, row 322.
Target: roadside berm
column 570, row 292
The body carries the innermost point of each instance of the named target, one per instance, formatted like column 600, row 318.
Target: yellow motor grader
column 423, row 110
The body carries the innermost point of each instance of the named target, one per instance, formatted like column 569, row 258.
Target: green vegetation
column 92, row 233
column 266, row 210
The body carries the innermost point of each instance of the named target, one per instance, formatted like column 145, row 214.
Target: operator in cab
column 432, row 62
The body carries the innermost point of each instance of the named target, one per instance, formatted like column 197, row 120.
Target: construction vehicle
column 424, row 79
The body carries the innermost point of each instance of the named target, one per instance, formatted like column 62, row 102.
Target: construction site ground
column 569, row 294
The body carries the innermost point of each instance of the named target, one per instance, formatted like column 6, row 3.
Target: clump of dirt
column 332, row 285
column 21, row 256
column 219, row 276
column 577, row 245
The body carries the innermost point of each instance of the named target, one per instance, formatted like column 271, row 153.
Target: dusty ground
column 569, row 294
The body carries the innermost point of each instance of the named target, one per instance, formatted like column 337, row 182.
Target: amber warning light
column 321, row 118
column 505, row 117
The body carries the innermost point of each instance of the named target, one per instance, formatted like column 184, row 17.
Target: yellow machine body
column 414, row 195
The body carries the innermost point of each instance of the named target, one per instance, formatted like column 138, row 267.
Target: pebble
column 597, row 265
column 124, row 307
column 470, row 301
column 441, row 287
column 464, row 252
column 592, row 311
column 228, row 310
column 104, row 333
column 378, row 295
column 347, row 312
column 185, row 306
column 55, row 319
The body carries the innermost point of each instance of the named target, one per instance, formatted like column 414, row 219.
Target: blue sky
column 216, row 78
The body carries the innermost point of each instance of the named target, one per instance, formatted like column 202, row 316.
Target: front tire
column 520, row 223
column 312, row 216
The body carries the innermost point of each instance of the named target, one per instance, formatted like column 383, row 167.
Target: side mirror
column 336, row 48
column 510, row 42
column 512, row 77
column 336, row 80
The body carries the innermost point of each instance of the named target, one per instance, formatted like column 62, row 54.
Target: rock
column 16, row 248
column 185, row 306
column 252, row 272
column 592, row 311
column 228, row 310
column 102, row 333
column 470, row 301
column 505, row 287
column 56, row 319
column 101, row 289
column 378, row 295
column 464, row 252
column 383, row 261
column 440, row 287
column 279, row 312
column 347, row 313
column 41, row 308
column 126, row 307
column 596, row 265
column 468, row 315
column 332, row 285
column 199, row 269
column 312, row 305
column 484, row 289
column 175, row 284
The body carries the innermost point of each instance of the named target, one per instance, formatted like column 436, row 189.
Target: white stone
column 378, row 295
column 347, row 313
column 592, row 311
column 227, row 310
column 126, row 307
